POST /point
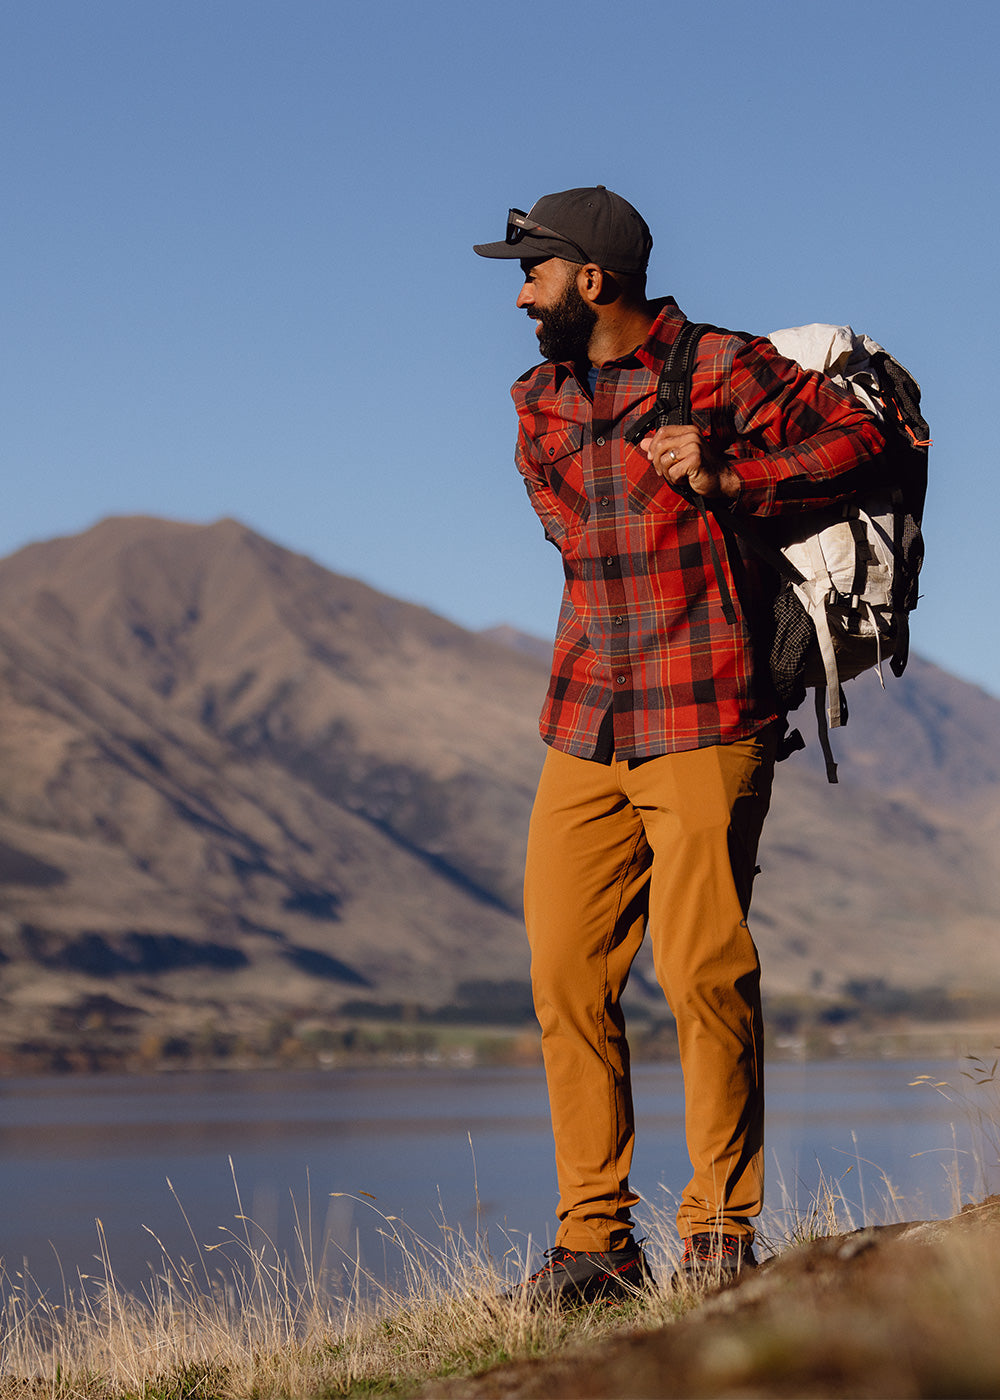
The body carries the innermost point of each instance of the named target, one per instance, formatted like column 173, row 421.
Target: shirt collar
column 651, row 353
column 662, row 334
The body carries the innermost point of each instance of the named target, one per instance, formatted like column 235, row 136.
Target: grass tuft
column 239, row 1321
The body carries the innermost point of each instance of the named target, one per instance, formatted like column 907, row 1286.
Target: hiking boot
column 570, row 1278
column 712, row 1258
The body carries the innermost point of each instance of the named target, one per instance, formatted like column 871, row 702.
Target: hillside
column 237, row 787
column 901, row 1310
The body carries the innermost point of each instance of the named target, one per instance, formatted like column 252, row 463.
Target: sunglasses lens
column 515, row 231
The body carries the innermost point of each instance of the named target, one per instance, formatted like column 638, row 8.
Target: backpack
column 846, row 575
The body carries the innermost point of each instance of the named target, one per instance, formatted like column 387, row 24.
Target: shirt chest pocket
column 559, row 453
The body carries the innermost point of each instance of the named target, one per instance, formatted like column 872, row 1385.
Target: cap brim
column 530, row 248
column 499, row 250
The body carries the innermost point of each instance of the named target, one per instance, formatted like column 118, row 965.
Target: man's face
column 550, row 297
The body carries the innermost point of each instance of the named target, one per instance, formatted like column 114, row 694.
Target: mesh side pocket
column 794, row 648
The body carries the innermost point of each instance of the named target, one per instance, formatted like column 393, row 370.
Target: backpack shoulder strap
column 673, row 388
column 673, row 406
column 673, row 391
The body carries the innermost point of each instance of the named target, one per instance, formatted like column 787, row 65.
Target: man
column 660, row 717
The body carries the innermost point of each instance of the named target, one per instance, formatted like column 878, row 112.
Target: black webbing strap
column 673, row 389
column 824, row 733
column 728, row 611
column 673, row 406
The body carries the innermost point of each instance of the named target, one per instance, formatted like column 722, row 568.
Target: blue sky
column 239, row 277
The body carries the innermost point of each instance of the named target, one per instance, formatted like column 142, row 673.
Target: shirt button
column 619, row 622
column 621, row 679
column 610, row 560
column 605, row 500
column 600, row 442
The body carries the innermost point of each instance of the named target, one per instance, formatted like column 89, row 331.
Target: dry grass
column 255, row 1324
column 241, row 1321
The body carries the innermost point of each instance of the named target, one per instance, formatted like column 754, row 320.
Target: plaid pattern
column 641, row 630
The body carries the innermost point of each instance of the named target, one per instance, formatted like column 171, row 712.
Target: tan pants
column 671, row 841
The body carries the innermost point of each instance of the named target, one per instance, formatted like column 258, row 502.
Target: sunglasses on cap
column 518, row 225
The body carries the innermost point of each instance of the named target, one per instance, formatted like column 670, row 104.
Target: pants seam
column 602, row 1016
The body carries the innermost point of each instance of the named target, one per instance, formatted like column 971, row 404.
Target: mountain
column 237, row 787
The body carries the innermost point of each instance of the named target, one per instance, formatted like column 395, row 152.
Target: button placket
column 606, row 487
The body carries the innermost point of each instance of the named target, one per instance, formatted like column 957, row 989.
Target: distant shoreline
column 389, row 1044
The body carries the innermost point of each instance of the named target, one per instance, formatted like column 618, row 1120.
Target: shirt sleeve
column 800, row 442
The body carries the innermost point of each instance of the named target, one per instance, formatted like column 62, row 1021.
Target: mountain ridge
column 240, row 786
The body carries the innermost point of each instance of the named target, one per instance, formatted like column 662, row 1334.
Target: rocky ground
column 898, row 1311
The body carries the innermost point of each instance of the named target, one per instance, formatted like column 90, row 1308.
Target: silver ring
column 672, row 455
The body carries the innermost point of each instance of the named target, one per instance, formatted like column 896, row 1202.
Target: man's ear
column 598, row 286
column 590, row 282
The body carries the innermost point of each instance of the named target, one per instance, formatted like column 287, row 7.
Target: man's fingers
column 674, row 451
column 679, row 454
column 674, row 464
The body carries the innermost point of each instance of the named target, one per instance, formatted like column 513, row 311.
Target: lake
column 469, row 1147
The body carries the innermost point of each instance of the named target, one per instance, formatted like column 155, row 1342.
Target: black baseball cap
column 587, row 225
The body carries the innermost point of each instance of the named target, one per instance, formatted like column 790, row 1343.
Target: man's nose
column 524, row 297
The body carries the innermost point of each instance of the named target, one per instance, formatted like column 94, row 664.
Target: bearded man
column 660, row 718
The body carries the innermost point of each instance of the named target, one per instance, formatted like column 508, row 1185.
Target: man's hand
column 680, row 453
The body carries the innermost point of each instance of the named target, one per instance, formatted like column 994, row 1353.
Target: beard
column 566, row 325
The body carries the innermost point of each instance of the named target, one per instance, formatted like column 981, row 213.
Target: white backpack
column 848, row 574
column 857, row 569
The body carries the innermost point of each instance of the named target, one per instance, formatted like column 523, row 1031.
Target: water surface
column 467, row 1147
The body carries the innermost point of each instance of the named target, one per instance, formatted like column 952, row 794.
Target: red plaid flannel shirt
column 641, row 631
